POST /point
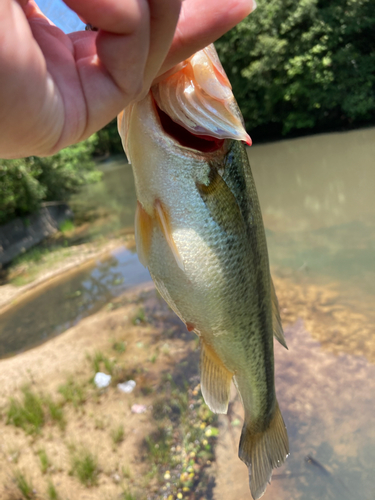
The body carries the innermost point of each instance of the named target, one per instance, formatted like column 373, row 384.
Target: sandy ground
column 324, row 386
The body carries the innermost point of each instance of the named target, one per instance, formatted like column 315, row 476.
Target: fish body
column 199, row 230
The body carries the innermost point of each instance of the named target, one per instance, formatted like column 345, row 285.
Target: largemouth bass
column 199, row 230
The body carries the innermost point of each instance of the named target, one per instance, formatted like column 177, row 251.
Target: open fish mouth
column 196, row 105
column 201, row 143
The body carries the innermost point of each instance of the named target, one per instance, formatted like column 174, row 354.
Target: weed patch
column 118, row 434
column 119, row 347
column 85, row 467
column 28, row 413
column 52, row 492
column 139, row 317
column 73, row 393
column 181, row 450
column 24, row 485
column 44, row 461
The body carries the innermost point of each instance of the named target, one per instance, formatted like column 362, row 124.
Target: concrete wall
column 22, row 234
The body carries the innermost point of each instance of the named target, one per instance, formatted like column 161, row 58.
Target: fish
column 199, row 231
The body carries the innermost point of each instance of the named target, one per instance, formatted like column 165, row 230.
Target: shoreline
column 11, row 295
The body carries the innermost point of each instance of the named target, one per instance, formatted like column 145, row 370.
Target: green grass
column 28, row 413
column 35, row 254
column 139, row 317
column 44, row 460
column 127, row 495
column 119, row 347
column 73, row 393
column 85, row 467
column 67, row 226
column 51, row 491
column 24, row 485
column 99, row 361
column 118, row 434
column 159, row 447
column 31, row 412
column 56, row 412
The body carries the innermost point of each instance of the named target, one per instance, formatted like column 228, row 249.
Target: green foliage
column 120, row 347
column 26, row 183
column 56, row 412
column 85, row 467
column 118, row 434
column 140, row 317
column 27, row 414
column 73, row 393
column 31, row 413
column 127, row 495
column 44, row 460
column 24, row 485
column 303, row 64
column 108, row 140
column 52, row 492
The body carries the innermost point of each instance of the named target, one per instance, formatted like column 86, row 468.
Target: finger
column 122, row 43
column 201, row 23
column 164, row 16
column 117, row 17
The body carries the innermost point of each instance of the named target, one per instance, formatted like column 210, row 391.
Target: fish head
column 192, row 109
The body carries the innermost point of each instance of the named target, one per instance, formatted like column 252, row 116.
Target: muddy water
column 317, row 198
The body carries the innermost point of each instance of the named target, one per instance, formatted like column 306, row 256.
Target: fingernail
column 255, row 5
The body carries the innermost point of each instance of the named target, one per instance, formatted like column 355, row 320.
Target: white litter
column 102, row 380
column 127, row 387
column 139, row 408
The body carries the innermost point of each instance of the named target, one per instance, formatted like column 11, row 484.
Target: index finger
column 203, row 22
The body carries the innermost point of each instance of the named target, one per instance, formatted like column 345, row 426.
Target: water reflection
column 63, row 303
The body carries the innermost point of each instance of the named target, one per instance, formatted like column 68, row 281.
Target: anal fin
column 276, row 320
column 143, row 233
column 215, row 380
column 163, row 219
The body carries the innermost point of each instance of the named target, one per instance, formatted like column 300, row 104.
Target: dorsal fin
column 276, row 320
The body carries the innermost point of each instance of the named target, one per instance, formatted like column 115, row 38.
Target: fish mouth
column 196, row 106
column 186, row 139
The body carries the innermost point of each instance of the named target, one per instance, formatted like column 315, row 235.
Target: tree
column 303, row 65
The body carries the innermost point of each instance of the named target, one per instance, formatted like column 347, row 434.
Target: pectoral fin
column 162, row 217
column 143, row 233
column 276, row 320
column 215, row 380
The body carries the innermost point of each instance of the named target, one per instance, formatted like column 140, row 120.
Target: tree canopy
column 299, row 65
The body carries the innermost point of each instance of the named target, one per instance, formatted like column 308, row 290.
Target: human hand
column 58, row 89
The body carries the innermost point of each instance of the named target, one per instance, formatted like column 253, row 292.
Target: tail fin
column 263, row 452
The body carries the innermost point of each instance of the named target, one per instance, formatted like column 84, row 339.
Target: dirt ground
column 323, row 386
